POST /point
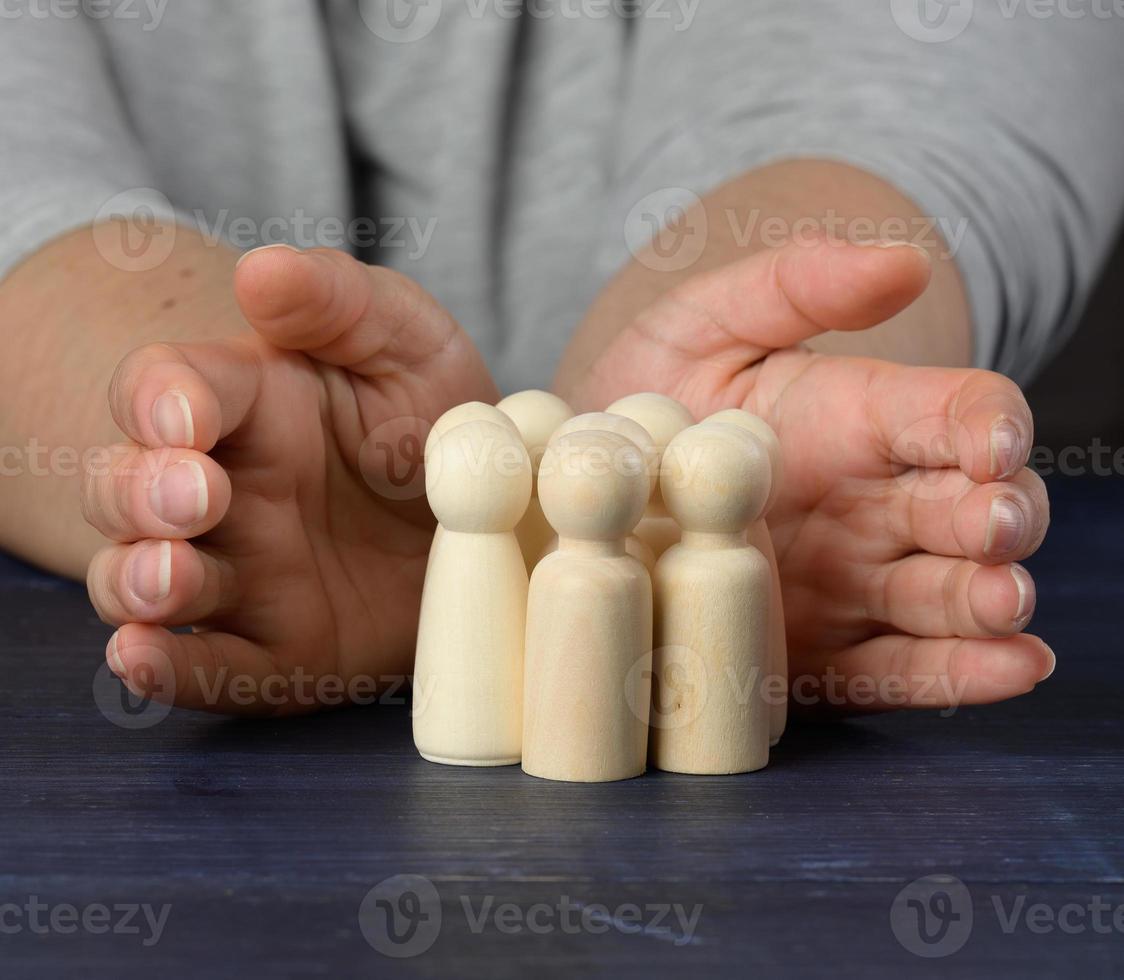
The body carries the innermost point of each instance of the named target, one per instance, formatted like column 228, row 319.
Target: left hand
column 906, row 502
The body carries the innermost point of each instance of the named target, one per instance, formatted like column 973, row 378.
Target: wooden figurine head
column 468, row 412
column 593, row 485
column 662, row 417
column 478, row 478
column 621, row 426
column 716, row 478
column 537, row 415
column 760, row 428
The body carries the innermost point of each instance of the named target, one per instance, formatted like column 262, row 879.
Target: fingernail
column 150, row 572
column 1006, row 450
column 890, row 243
column 113, row 658
column 1005, row 527
column 179, row 495
column 1053, row 662
column 264, row 248
column 171, row 417
column 1026, row 589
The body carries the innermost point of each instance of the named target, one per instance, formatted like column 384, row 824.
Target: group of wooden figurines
column 602, row 591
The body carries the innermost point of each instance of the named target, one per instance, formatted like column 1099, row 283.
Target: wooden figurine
column 663, row 418
column 709, row 714
column 468, row 672
column 537, row 415
column 587, row 677
column 467, row 412
column 638, row 436
column 762, row 540
column 458, row 415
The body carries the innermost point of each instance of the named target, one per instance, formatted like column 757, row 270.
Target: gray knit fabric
column 506, row 154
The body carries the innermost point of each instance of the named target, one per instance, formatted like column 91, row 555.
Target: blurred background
column 1080, row 395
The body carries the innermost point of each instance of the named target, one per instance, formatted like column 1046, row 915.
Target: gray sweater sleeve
column 1006, row 128
column 67, row 153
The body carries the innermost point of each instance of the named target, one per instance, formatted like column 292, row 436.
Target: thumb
column 714, row 325
column 367, row 319
column 785, row 296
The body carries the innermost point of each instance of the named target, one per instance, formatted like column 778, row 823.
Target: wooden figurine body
column 663, row 418
column 537, row 415
column 587, row 675
column 468, row 672
column 709, row 713
column 762, row 540
column 634, row 546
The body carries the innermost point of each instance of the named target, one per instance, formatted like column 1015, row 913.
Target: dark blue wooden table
column 199, row 846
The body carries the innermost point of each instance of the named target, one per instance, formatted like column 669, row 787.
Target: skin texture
column 290, row 360
column 73, row 316
column 897, row 579
column 802, row 200
column 295, row 563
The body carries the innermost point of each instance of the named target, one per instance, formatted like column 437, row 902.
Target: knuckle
column 97, row 587
column 954, row 655
column 901, row 658
column 994, row 383
column 129, row 372
column 101, row 499
column 991, row 389
column 952, row 590
column 134, row 364
column 155, row 351
column 88, row 497
column 879, row 591
column 115, row 498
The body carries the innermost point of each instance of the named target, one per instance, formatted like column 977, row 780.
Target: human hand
column 252, row 517
column 906, row 502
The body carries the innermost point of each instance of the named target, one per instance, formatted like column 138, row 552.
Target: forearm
column 763, row 208
column 67, row 317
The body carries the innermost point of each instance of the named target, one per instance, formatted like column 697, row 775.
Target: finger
column 700, row 336
column 978, row 421
column 203, row 671
column 155, row 493
column 167, row 582
column 370, row 320
column 781, row 297
column 945, row 513
column 928, row 595
column 891, row 672
column 183, row 395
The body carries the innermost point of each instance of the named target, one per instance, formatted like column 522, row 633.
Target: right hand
column 284, row 560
